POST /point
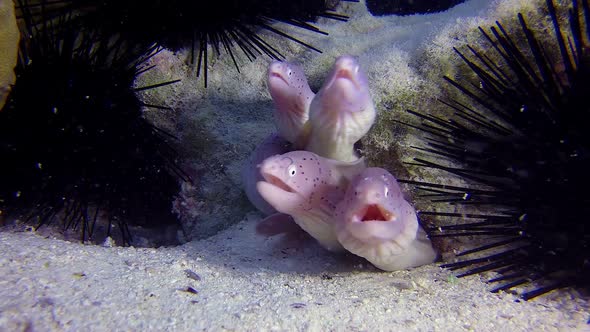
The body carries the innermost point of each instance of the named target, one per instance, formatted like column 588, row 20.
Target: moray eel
column 307, row 187
column 341, row 113
column 292, row 96
column 272, row 145
column 374, row 221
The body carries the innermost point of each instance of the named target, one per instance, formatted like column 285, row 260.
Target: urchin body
column 75, row 142
column 521, row 144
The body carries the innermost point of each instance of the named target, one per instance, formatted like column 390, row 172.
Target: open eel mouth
column 278, row 194
column 275, row 188
column 345, row 76
column 275, row 181
column 277, row 75
column 374, row 212
column 373, row 223
column 268, row 171
column 276, row 71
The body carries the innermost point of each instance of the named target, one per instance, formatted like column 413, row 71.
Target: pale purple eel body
column 307, row 187
column 270, row 146
column 327, row 189
column 341, row 113
column 374, row 221
column 291, row 96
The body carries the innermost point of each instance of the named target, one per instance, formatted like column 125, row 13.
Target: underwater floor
column 236, row 281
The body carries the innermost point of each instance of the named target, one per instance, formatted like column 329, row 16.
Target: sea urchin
column 204, row 28
column 521, row 142
column 73, row 141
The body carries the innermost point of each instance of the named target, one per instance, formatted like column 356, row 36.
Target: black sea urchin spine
column 204, row 27
column 522, row 145
column 72, row 137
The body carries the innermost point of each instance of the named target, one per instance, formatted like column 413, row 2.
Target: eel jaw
column 346, row 75
column 278, row 194
column 346, row 91
column 278, row 85
column 373, row 222
column 276, row 77
column 350, row 74
column 275, row 181
column 373, row 213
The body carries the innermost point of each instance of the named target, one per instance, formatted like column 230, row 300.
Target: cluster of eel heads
column 309, row 172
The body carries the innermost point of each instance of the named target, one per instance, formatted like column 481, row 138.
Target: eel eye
column 292, row 170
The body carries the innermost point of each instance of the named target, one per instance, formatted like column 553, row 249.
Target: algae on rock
column 9, row 38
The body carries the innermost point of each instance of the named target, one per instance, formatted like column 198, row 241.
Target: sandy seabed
column 238, row 280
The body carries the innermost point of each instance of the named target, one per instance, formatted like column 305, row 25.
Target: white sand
column 248, row 283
